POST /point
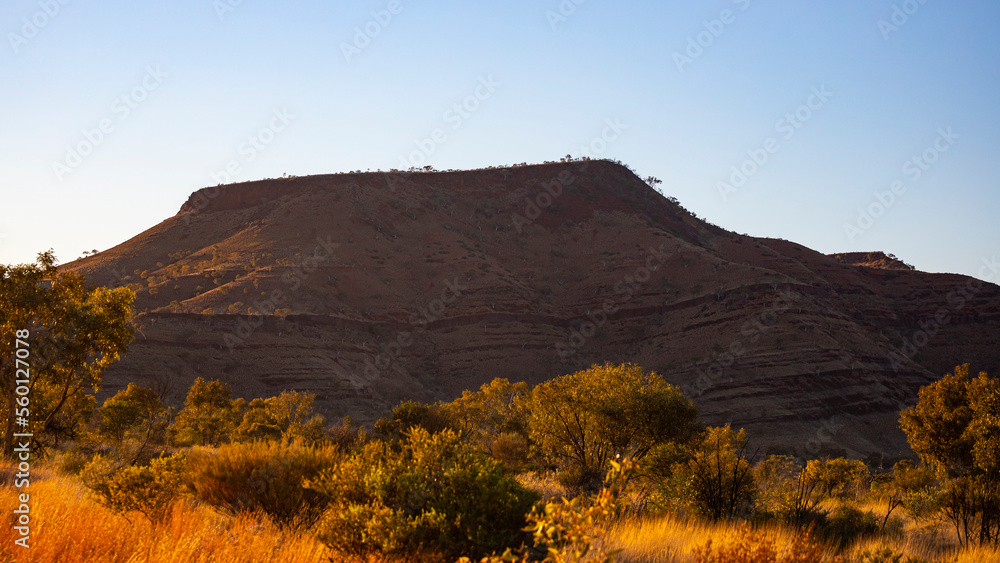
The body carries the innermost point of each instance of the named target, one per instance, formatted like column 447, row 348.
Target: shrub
column 148, row 489
column 71, row 462
column 573, row 530
column 718, row 478
column 847, row 524
column 344, row 435
column 437, row 494
column 498, row 412
column 758, row 547
column 510, row 449
column 264, row 476
column 411, row 414
column 886, row 555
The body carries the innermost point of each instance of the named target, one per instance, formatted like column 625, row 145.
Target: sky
column 844, row 126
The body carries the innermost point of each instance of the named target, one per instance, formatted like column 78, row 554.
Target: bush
column 510, row 449
column 757, row 547
column 411, row 414
column 148, row 489
column 886, row 555
column 847, row 524
column 345, row 436
column 718, row 481
column 71, row 462
column 437, row 495
column 264, row 476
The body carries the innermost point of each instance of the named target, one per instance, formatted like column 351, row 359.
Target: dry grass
column 69, row 527
column 543, row 484
column 672, row 540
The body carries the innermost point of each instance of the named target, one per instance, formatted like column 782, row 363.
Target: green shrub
column 264, row 476
column 886, row 555
column 71, row 462
column 717, row 480
column 148, row 489
column 412, row 414
column 438, row 494
column 847, row 524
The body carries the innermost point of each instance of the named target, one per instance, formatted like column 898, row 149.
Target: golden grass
column 543, row 484
column 669, row 539
column 672, row 540
column 69, row 527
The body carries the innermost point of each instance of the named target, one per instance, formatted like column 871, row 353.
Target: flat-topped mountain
column 370, row 288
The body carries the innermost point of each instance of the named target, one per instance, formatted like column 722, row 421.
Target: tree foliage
column 955, row 428
column 134, row 409
column 436, row 494
column 210, row 415
column 499, row 407
column 580, row 421
column 718, row 476
column 409, row 415
column 74, row 331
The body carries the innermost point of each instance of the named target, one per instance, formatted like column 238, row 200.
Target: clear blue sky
column 199, row 81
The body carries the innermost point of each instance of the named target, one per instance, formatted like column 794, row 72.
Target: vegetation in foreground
column 481, row 478
column 225, row 479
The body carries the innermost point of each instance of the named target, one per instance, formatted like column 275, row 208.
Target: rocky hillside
column 371, row 288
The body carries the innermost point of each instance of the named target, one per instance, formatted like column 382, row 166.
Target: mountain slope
column 370, row 288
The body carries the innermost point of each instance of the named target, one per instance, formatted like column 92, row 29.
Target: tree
column 258, row 423
column 955, row 428
column 779, row 485
column 499, row 408
column 293, row 412
column 721, row 483
column 210, row 415
column 839, row 479
column 134, row 412
column 410, row 414
column 580, row 421
column 71, row 332
column 906, row 483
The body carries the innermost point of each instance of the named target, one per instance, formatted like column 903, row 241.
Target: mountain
column 371, row 288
